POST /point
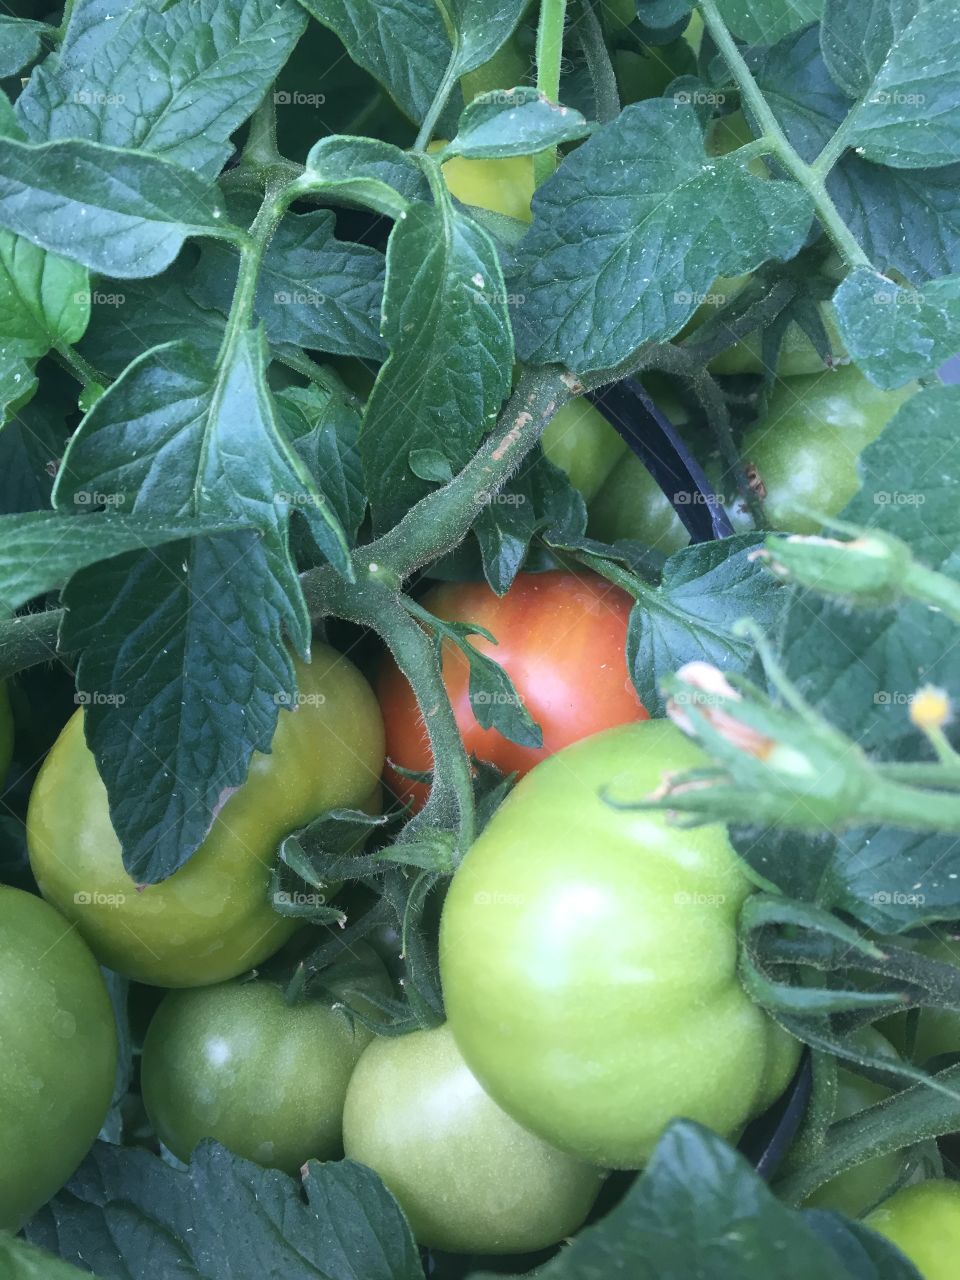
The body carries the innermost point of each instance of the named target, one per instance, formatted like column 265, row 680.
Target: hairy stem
column 28, row 640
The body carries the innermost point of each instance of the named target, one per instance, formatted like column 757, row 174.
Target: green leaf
column 857, row 38
column 451, row 353
column 313, row 290
column 368, row 172
column 909, row 117
column 700, row 1210
column 401, row 43
column 635, row 225
column 905, row 219
column 896, row 334
column 19, row 44
column 31, row 444
column 121, row 212
column 130, row 1216
column 540, row 499
column 479, row 28
column 208, row 444
column 41, row 550
column 22, row 1261
column 44, row 303
column 175, row 82
column 862, row 668
column 325, row 432
column 878, row 204
column 705, row 590
column 130, row 317
column 766, row 21
column 514, row 122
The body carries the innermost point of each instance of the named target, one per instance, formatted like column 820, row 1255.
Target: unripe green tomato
column 505, row 70
column 589, row 958
column 859, row 1188
column 6, row 732
column 804, row 452
column 580, row 441
column 923, row 1221
column 632, row 505
column 504, row 185
column 469, row 1179
column 265, row 1078
column 58, row 1053
column 211, row 919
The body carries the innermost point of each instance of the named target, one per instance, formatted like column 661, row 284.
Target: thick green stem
column 934, row 589
column 811, row 181
column 373, row 601
column 28, row 640
column 440, row 521
column 439, row 102
column 549, row 60
column 82, row 369
column 276, row 200
column 590, row 35
column 913, row 808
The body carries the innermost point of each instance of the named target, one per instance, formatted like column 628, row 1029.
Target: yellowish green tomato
column 580, row 441
column 469, row 1178
column 265, row 1078
column 588, row 955
column 923, row 1221
column 504, row 185
column 211, row 919
column 859, row 1188
column 6, row 732
column 58, row 1053
column 804, row 452
column 505, row 70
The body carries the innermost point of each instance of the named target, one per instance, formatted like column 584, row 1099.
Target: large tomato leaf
column 202, row 685
column 633, row 228
column 130, row 1216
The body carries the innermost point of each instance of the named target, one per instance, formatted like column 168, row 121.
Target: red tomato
column 562, row 639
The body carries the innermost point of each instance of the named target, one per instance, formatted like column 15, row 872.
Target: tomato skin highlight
column 467, row 1176
column 236, row 1063
column 211, row 919
column 589, row 959
column 562, row 639
column 58, row 1053
column 923, row 1221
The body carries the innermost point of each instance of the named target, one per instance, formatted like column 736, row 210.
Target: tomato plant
column 924, row 1222
column 469, row 1178
column 561, row 639
column 58, row 1049
column 212, row 919
column 266, row 1078
column 609, row 999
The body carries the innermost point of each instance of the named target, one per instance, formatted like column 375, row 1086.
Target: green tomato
column 589, row 958
column 468, row 1177
column 503, row 185
column 58, row 1053
column 859, row 1188
column 211, row 919
column 265, row 1078
column 805, row 450
column 923, row 1221
column 632, row 505
column 581, row 441
column 6, row 732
